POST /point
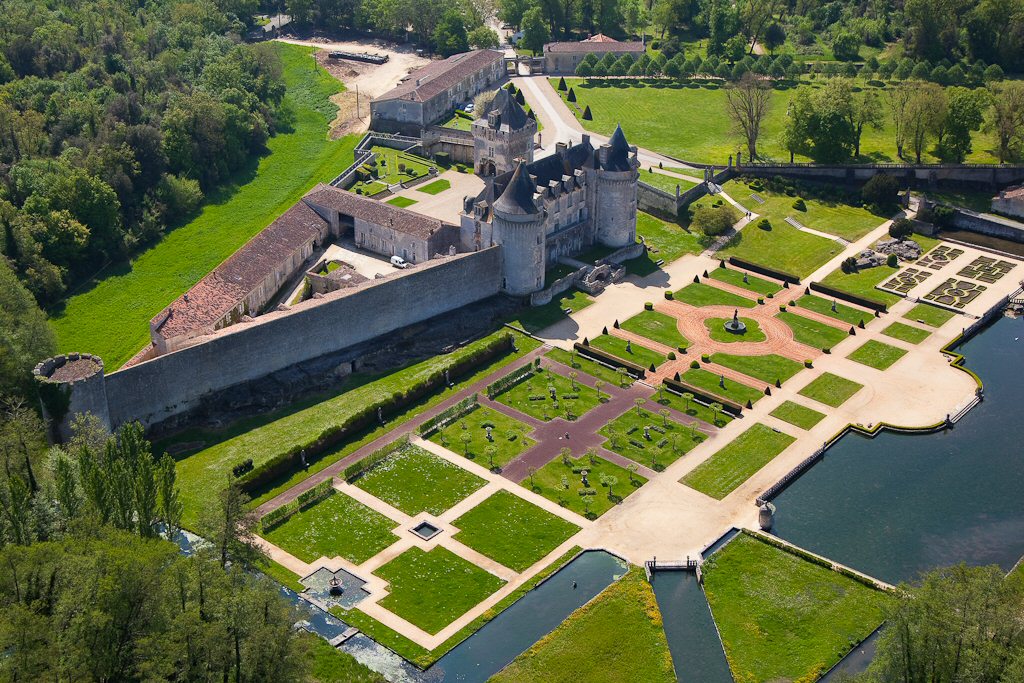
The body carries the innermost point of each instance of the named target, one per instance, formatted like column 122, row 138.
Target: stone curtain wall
column 994, row 226
column 908, row 174
column 167, row 385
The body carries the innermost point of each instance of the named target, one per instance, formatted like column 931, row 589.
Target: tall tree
column 747, row 103
column 1008, row 119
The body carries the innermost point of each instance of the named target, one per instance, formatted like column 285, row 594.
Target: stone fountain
column 735, row 326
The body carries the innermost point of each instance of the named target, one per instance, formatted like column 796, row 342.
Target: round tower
column 518, row 226
column 71, row 384
column 615, row 194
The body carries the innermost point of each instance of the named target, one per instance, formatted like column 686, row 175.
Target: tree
column 747, row 104
column 899, row 103
column 598, row 384
column 25, row 336
column 639, row 403
column 572, row 379
column 229, row 526
column 845, row 46
column 881, row 192
column 531, row 471
column 623, row 374
column 609, row 481
column 1007, row 121
column 865, row 110
column 687, row 400
column 664, row 412
column 901, row 229
column 774, row 37
column 716, row 408
column 483, row 38
column 450, row 35
column 490, row 452
column 926, row 105
column 714, row 221
column 796, row 133
column 631, row 471
column 963, row 116
column 565, row 454
column 535, row 30
column 466, row 439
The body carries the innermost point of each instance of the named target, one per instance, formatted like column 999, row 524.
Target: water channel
column 692, row 637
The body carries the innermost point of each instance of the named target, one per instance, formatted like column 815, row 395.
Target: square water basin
column 425, row 530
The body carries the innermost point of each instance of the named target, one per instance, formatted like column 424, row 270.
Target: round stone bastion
column 70, row 384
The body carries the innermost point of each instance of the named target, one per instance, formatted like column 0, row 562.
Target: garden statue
column 721, row 381
column 745, row 280
column 489, row 437
column 736, row 326
column 833, row 305
column 647, row 432
column 629, row 347
column 584, row 481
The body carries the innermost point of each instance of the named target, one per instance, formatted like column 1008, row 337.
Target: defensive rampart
column 914, row 175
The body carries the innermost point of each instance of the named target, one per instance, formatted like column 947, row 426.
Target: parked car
column 399, row 262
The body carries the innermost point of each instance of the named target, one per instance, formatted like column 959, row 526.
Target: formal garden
column 817, row 335
column 652, row 440
column 545, row 395
column 486, row 436
column 862, row 283
column 658, row 327
column 587, row 484
column 737, row 461
column 877, row 355
column 832, row 390
column 797, row 415
column 699, row 294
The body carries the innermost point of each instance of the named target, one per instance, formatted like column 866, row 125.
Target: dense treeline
column 115, row 119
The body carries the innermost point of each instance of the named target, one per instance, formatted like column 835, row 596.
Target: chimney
column 560, row 148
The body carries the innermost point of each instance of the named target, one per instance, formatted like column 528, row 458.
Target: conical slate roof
column 517, row 199
column 510, row 112
column 618, row 154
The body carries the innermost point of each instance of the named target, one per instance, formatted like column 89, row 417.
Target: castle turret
column 519, row 229
column 614, row 199
column 72, row 384
column 501, row 136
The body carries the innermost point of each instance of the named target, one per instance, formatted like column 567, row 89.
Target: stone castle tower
column 502, row 137
column 613, row 201
column 71, row 384
column 518, row 225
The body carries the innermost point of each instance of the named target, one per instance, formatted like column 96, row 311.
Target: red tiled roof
column 433, row 79
column 1013, row 192
column 599, row 43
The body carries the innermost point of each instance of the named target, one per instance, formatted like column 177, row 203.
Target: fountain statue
column 735, row 326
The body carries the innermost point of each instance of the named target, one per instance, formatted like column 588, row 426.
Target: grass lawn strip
column 535, row 319
column 907, row 333
column 615, row 638
column 665, row 242
column 699, row 294
column 693, row 409
column 401, row 202
column 666, row 442
column 414, row 480
column 832, row 390
column 736, row 392
column 716, row 330
column 783, row 248
column 798, row 415
column 637, row 353
column 431, row 589
column 753, row 283
column 737, row 461
column 508, row 434
column 811, row 332
column 877, row 355
column 589, row 367
column 932, row 316
column 338, row 525
column 533, row 396
column 436, row 187
column 665, row 182
column 767, row 368
column 848, row 314
column 512, row 531
column 657, row 326
column 557, row 482
column 784, row 618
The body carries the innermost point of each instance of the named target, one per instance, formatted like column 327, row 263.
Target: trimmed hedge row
column 764, row 270
column 677, row 387
column 449, row 415
column 600, row 356
column 851, row 298
column 366, row 464
column 503, row 384
column 306, row 499
column 290, row 460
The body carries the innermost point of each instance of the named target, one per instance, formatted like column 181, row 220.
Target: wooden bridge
column 656, row 565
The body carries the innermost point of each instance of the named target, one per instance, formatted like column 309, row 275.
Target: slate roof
column 511, row 114
column 372, row 211
column 618, row 153
column 435, row 78
column 599, row 43
column 517, row 198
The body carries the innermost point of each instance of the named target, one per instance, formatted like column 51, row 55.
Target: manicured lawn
column 877, row 355
column 401, row 202
column 436, row 187
column 533, row 397
column 557, row 482
column 509, row 436
column 783, row 618
column 737, row 461
column 634, row 353
column 201, row 474
column 699, row 294
column 657, row 326
column 848, row 314
column 832, row 390
column 863, row 283
column 717, row 331
column 666, row 440
column 767, row 368
column 666, row 241
column 395, row 167
column 533, row 319
column 665, row 182
column 414, row 481
column 929, row 315
column 459, row 121
column 693, row 409
column 782, row 248
column 811, row 332
column 615, row 638
column 796, row 414
column 753, row 283
column 907, row 333
column 512, row 531
column 431, row 589
column 338, row 525
column 589, row 367
column 110, row 315
column 733, row 390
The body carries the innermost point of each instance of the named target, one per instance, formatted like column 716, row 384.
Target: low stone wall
column 988, row 224
column 657, row 201
column 914, row 175
column 362, row 154
column 557, row 287
column 458, row 144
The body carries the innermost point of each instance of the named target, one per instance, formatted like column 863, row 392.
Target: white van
column 399, row 262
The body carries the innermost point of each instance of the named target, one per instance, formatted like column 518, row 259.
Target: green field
column 508, row 437
column 737, row 461
column 712, row 383
column 753, row 283
column 693, row 409
column 634, row 353
column 798, row 415
column 832, row 390
column 533, row 319
column 401, row 202
column 782, row 248
column 511, row 531
column 338, row 525
column 811, row 332
column 615, row 638
column 394, row 167
column 557, row 482
column 414, row 480
column 716, row 330
column 658, row 327
column 848, row 314
column 666, row 442
column 862, row 283
column 699, row 294
column 666, row 241
column 431, row 589
column 589, row 367
column 929, row 315
column 907, row 333
column 783, row 618
column 533, row 397
column 436, row 187
column 328, row 664
column 665, row 182
column 767, row 368
column 877, row 355
column 110, row 315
